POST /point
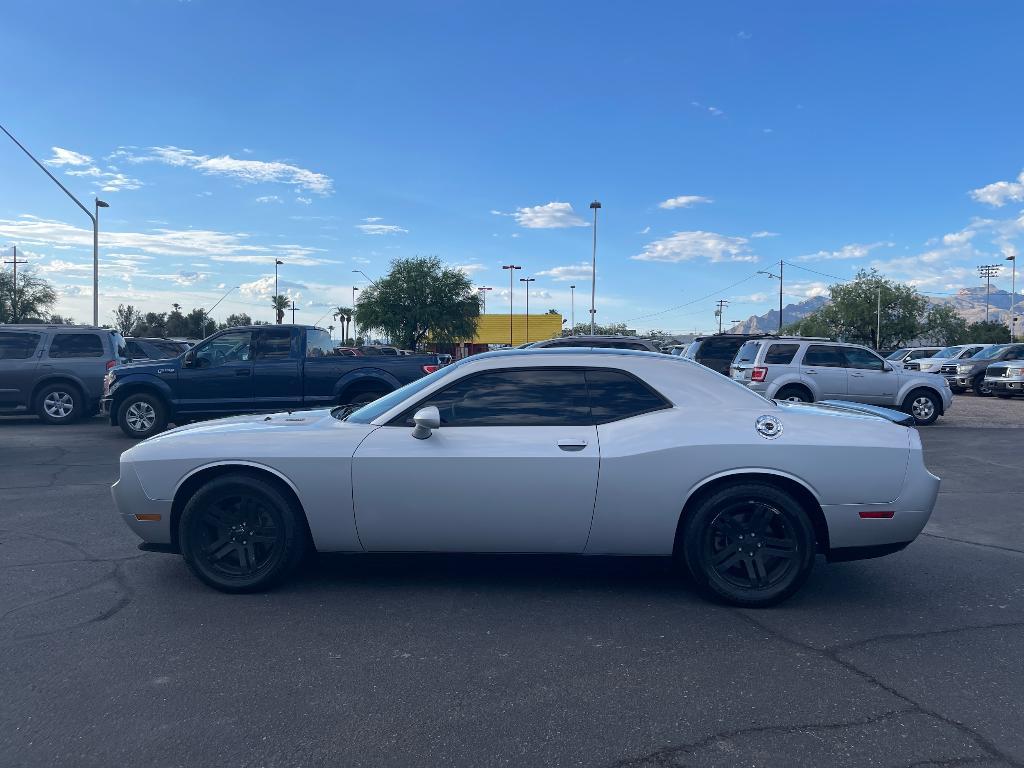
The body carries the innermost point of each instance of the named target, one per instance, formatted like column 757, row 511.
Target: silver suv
column 806, row 370
column 56, row 371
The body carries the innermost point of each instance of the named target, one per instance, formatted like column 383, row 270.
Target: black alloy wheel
column 751, row 545
column 240, row 534
column 981, row 389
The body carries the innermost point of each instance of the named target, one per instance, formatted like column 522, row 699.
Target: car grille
column 948, row 369
column 994, row 373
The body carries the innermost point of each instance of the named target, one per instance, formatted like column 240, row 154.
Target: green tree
column 615, row 329
column 420, row 296
column 280, row 303
column 152, row 324
column 988, row 332
column 126, row 319
column 236, row 320
column 944, row 325
column 176, row 324
column 61, row 320
column 29, row 301
column 852, row 312
column 198, row 324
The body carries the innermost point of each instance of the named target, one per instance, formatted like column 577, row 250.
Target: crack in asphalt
column 972, row 543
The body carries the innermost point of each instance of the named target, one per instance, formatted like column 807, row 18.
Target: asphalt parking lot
column 116, row 657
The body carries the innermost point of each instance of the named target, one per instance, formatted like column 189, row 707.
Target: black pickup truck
column 247, row 370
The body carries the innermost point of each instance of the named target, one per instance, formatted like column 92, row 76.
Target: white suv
column 806, row 370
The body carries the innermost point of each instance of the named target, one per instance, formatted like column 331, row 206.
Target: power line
column 689, row 303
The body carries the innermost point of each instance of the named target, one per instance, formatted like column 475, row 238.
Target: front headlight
column 927, row 366
column 964, row 368
column 1015, row 372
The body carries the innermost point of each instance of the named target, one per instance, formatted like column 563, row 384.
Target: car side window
column 863, row 359
column 274, row 343
column 18, row 346
column 67, row 345
column 824, row 356
column 526, row 397
column 319, row 344
column 229, row 347
column 780, row 354
column 615, row 395
column 136, row 352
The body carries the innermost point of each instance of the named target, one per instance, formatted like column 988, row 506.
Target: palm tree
column 330, row 330
column 280, row 303
column 345, row 315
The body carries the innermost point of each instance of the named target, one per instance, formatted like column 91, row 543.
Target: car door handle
column 857, row 375
column 574, row 444
column 243, row 372
column 811, row 373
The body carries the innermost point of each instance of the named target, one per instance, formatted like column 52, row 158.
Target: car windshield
column 371, row 411
column 899, row 354
column 947, row 352
column 990, row 353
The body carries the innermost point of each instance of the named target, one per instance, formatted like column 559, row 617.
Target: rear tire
column 239, row 533
column 751, row 545
column 1001, row 396
column 141, row 415
column 60, row 404
column 794, row 394
column 923, row 405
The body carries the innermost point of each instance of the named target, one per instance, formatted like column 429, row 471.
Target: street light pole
column 593, row 268
column 527, row 280
column 482, row 290
column 988, row 271
column 93, row 216
column 511, row 271
column 779, row 278
column 572, row 310
column 354, row 328
column 277, row 263
column 1013, row 295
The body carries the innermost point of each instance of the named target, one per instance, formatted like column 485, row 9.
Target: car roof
column 554, row 351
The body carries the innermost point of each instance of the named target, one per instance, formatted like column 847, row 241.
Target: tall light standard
column 354, row 329
column 988, row 271
column 511, row 271
column 593, row 268
column 482, row 290
column 1013, row 295
column 210, row 313
column 277, row 263
column 527, row 280
column 93, row 215
column 572, row 310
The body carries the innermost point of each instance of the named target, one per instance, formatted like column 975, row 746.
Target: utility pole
column 722, row 304
column 593, row 267
column 572, row 310
column 878, row 322
column 482, row 290
column 293, row 311
column 14, row 285
column 1012, row 258
column 527, row 280
column 511, row 271
column 355, row 329
column 779, row 278
column 988, row 271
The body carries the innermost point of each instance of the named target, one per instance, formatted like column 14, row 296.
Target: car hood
column 251, row 423
column 844, row 408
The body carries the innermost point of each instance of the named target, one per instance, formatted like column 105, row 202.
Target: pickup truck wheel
column 980, row 388
column 240, row 534
column 141, row 416
column 365, row 396
column 749, row 544
column 923, row 405
column 59, row 404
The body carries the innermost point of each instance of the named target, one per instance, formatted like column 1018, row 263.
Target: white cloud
column 764, row 233
column 959, row 238
column 645, row 230
column 744, row 35
column 469, row 269
column 686, row 246
column 579, row 271
column 263, row 288
column 269, row 199
column 683, row 201
column 554, row 215
column 805, row 290
column 63, row 156
column 372, row 219
column 999, row 193
column 380, row 229
column 714, row 111
column 851, row 251
column 303, row 200
column 249, row 171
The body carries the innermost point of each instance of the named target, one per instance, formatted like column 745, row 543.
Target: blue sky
column 720, row 137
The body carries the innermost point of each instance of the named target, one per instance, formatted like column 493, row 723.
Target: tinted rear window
column 615, row 395
column 825, row 356
column 780, row 354
column 65, row 345
column 748, row 352
column 18, row 346
column 719, row 349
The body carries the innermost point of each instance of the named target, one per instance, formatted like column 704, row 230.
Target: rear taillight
column 758, row 374
column 430, row 368
column 111, row 364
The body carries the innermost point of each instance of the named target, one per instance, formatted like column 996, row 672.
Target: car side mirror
column 426, row 419
column 889, row 368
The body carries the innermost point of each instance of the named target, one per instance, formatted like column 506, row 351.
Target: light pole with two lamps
column 511, row 271
column 593, row 267
column 527, row 280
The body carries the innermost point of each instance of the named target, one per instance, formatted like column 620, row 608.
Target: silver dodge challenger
column 583, row 451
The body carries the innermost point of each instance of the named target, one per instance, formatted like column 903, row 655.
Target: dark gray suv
column 56, row 371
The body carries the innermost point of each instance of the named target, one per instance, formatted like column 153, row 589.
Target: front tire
column 980, row 388
column 751, row 545
column 923, row 405
column 60, row 404
column 239, row 533
column 141, row 415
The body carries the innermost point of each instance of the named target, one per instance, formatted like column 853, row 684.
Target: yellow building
column 494, row 329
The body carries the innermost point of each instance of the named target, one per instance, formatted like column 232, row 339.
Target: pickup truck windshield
column 371, row 411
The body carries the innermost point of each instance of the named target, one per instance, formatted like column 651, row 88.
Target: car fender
column 792, row 378
column 365, row 375
column 908, row 386
column 140, row 382
column 742, row 471
column 55, row 376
